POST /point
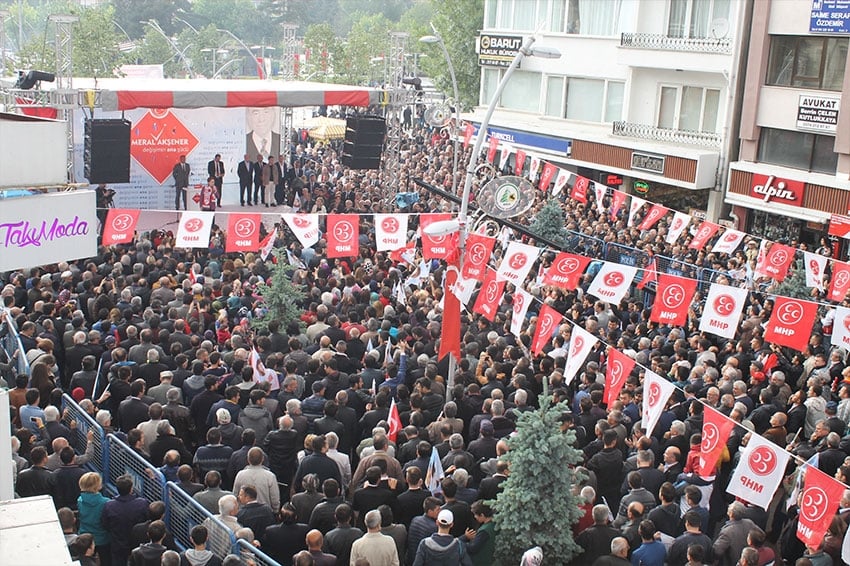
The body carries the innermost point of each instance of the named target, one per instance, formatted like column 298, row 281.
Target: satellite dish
column 719, row 28
column 506, row 197
column 439, row 115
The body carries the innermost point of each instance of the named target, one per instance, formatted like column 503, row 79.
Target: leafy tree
column 240, row 17
column 549, row 223
column 319, row 39
column 537, row 506
column 130, row 14
column 282, row 297
column 154, row 49
column 794, row 284
column 369, row 38
column 95, row 43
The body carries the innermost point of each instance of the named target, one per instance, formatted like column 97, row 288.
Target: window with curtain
column 584, row 99
column 798, row 150
column 554, row 97
column 807, row 62
column 521, row 92
column 490, row 9
column 688, row 108
column 614, row 101
column 489, row 82
column 692, row 18
column 593, row 17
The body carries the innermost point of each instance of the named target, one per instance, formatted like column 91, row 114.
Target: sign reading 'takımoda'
column 45, row 229
column 818, row 113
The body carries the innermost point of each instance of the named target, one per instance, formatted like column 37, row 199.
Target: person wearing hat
column 441, row 547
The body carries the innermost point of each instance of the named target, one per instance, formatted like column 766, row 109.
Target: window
column 692, row 18
column 588, row 100
column 614, row 101
column 807, row 62
column 798, row 150
column 594, row 17
column 525, row 15
column 490, row 9
column 522, row 92
column 554, row 97
column 688, row 108
column 489, row 83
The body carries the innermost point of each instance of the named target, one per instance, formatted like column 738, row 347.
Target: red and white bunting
column 566, row 270
column 841, row 328
column 517, row 262
column 534, row 168
column 776, row 261
column 704, row 233
column 343, row 235
column 723, row 307
column 819, row 502
column 673, row 300
column 549, row 171
column 478, row 250
column 677, row 226
column 759, row 471
column 390, row 231
column 656, row 393
column 599, row 191
column 194, row 229
column 437, row 247
column 839, row 283
column 243, row 232
column 617, row 371
column 522, row 299
column 547, row 324
column 612, row 282
column 120, row 226
column 519, row 162
column 815, row 269
column 468, row 132
column 304, row 226
column 728, row 242
column 463, row 289
column 581, row 343
column 791, row 322
column 561, row 181
column 617, row 200
column 716, row 429
column 655, row 213
column 490, row 296
column 635, row 205
column 492, row 148
column 580, row 188
column 505, row 154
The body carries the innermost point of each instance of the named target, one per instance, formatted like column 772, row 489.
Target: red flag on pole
column 450, row 330
column 617, row 372
column 394, row 421
column 468, row 132
column 547, row 321
column 818, row 504
column 716, row 429
column 650, row 275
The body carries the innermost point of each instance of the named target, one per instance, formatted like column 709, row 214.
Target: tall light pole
column 156, row 27
column 241, row 44
column 214, row 52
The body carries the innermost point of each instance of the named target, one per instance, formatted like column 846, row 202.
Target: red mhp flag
column 617, row 200
column 519, row 162
column 791, row 322
column 579, row 191
column 489, row 296
column 120, row 226
column 616, row 374
column 405, row 254
column 650, row 275
column 546, row 177
column 450, row 330
column 267, row 245
column 394, row 421
column 776, row 261
column 547, row 322
column 468, row 132
column 243, row 232
column 673, row 299
column 437, row 247
column 716, row 429
column 655, row 214
column 818, row 504
column 492, row 149
column 478, row 250
column 704, row 233
column 566, row 271
column 342, row 234
column 839, row 283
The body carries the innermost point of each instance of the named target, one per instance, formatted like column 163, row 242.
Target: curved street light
column 181, row 54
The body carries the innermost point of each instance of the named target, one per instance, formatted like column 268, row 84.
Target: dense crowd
column 304, row 465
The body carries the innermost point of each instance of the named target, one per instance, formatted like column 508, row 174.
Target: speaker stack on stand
column 364, row 142
column 106, row 151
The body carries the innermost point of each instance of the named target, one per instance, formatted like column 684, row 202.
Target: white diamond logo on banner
column 305, row 227
column 723, row 307
column 728, row 242
column 390, row 231
column 612, row 282
column 581, row 343
column 677, row 226
column 636, row 204
column 517, row 262
column 656, row 393
column 522, row 300
column 759, row 471
column 194, row 230
column 815, row 269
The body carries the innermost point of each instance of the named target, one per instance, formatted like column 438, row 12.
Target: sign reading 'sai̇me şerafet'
column 830, row 16
column 44, row 229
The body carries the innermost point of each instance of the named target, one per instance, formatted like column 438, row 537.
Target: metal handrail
column 11, row 343
column 645, row 131
column 150, row 483
column 85, row 423
column 668, row 43
column 258, row 555
column 183, row 513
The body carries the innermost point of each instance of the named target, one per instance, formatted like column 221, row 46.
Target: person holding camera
column 103, row 202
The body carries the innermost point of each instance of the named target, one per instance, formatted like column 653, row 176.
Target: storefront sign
column 818, row 113
column 516, row 137
column 641, row 187
column 773, row 189
column 839, row 225
column 830, row 16
column 648, row 162
column 498, row 50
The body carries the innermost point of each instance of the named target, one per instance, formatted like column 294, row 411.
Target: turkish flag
column 716, row 429
column 394, row 421
column 468, row 132
column 581, row 343
column 343, row 235
column 490, row 296
column 818, row 503
column 491, row 150
column 547, row 322
column 478, row 250
column 437, row 247
column 519, row 162
column 546, row 176
column 566, row 271
column 704, row 233
column 656, row 393
column 618, row 369
column 791, row 322
column 580, row 187
column 655, row 214
column 450, row 330
column 243, row 233
column 650, row 274
column 120, row 226
column 673, row 300
column 617, row 200
column 839, row 283
column 776, row 261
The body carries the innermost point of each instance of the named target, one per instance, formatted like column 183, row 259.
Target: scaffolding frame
column 397, row 97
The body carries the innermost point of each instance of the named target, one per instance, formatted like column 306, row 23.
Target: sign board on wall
column 830, row 16
column 43, row 229
column 818, row 113
column 498, row 50
column 769, row 188
column 839, row 225
column 647, row 162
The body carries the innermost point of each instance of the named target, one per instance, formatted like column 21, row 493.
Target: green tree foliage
column 282, row 297
column 130, row 14
column 96, row 39
column 153, row 49
column 794, row 284
column 369, row 39
column 549, row 223
column 319, row 39
column 240, row 17
column 537, row 506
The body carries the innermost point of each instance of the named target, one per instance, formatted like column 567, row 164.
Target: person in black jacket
column 166, row 440
column 253, row 514
column 67, row 480
column 150, row 553
column 36, row 480
column 286, row 539
column 608, row 467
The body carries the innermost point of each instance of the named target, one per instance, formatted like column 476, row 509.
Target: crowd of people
column 156, row 344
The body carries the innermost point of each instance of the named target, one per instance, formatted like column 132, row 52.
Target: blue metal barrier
column 184, row 513
column 147, row 480
column 243, row 547
column 11, row 343
column 71, row 411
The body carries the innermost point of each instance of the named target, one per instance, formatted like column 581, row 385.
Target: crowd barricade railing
column 184, row 513
column 242, row 546
column 589, row 246
column 11, row 343
column 147, row 480
column 71, row 411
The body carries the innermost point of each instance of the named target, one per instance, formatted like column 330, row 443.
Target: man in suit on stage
column 280, row 187
column 215, row 169
column 258, row 180
column 245, row 171
column 181, row 182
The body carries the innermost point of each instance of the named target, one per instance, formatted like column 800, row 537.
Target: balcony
column 687, row 44
column 685, row 137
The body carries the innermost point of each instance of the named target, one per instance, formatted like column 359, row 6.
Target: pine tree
column 794, row 284
column 549, row 223
column 537, row 506
column 282, row 298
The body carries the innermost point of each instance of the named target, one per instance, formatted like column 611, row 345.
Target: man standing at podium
column 181, row 182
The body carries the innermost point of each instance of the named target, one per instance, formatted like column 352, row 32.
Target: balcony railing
column 686, row 137
column 663, row 42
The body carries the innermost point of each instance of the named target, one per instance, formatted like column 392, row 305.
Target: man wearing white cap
column 441, row 547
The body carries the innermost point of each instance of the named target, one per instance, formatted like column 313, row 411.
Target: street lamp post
column 156, row 27
column 214, row 53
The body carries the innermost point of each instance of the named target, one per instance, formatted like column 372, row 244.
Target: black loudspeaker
column 107, row 151
column 364, row 142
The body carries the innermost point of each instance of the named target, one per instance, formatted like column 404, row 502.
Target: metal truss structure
column 397, row 97
column 66, row 96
